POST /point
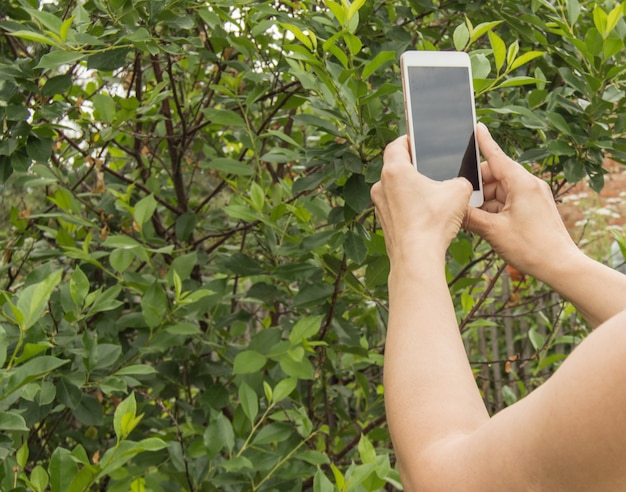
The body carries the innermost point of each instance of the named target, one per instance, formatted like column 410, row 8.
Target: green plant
column 194, row 282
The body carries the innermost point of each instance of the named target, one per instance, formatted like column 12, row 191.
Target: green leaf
column 481, row 67
column 612, row 47
column 248, row 361
column 105, row 301
column 219, row 435
column 104, row 106
column 39, row 149
column 108, row 60
column 120, row 259
column 356, row 193
column 89, row 411
column 297, row 369
column 237, row 464
column 298, row 34
column 33, row 299
column 273, row 433
column 39, row 478
column 12, row 422
column 3, row 346
column 354, row 7
column 337, row 11
column 594, row 41
column 525, row 58
column 377, row 271
column 229, row 166
column 144, row 209
column 378, row 61
column 34, row 36
column 283, row 389
column 536, row 339
column 150, row 444
column 224, row 117
column 366, row 450
column 185, row 225
column 58, row 58
column 559, row 123
column 136, row 370
column 355, row 247
column 241, row 212
column 21, row 456
column 512, row 52
column 154, row 305
column 614, row 16
column 573, row 11
column 353, row 43
column 499, row 50
column 195, row 296
column 573, row 170
column 517, row 81
column 68, row 394
column 184, row 329
column 305, row 328
column 313, row 294
column 45, row 19
column 65, row 28
column 79, row 287
column 461, row 37
column 600, row 20
column 249, row 401
column 62, row 470
column 121, row 242
column 482, row 29
column 321, row 483
column 125, row 417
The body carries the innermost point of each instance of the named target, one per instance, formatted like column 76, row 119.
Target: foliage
column 194, row 283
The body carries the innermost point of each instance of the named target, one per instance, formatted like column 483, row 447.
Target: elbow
column 422, row 477
column 438, row 468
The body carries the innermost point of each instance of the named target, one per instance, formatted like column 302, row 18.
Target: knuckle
column 375, row 192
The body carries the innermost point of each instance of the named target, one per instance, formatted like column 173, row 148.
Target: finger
column 376, row 193
column 492, row 207
column 397, row 151
column 465, row 188
column 494, row 191
column 479, row 221
column 490, row 191
column 486, row 173
column 500, row 165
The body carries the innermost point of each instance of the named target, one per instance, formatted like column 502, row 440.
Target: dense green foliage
column 193, row 290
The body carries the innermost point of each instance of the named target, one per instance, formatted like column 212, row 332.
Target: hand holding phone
column 441, row 117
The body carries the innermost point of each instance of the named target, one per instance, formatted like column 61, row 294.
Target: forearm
column 596, row 290
column 430, row 391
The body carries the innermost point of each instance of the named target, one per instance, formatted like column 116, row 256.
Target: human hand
column 519, row 217
column 418, row 215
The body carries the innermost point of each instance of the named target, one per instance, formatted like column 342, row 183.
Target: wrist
column 559, row 270
column 422, row 266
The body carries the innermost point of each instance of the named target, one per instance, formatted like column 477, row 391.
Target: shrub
column 194, row 282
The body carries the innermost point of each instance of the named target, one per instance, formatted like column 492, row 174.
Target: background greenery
column 193, row 280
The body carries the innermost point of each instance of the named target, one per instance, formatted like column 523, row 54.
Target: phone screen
column 443, row 122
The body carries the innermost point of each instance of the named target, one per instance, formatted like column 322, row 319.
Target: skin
column 568, row 435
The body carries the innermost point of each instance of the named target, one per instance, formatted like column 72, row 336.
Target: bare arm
column 569, row 435
column 521, row 221
column 427, row 375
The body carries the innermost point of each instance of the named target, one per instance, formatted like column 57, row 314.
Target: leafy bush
column 194, row 282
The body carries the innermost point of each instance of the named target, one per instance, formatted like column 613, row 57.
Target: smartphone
column 441, row 116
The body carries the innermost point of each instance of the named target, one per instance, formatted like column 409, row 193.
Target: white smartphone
column 441, row 116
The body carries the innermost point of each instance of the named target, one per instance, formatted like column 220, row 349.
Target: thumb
column 480, row 222
column 465, row 188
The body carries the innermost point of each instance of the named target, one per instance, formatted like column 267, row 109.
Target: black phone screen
column 443, row 123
